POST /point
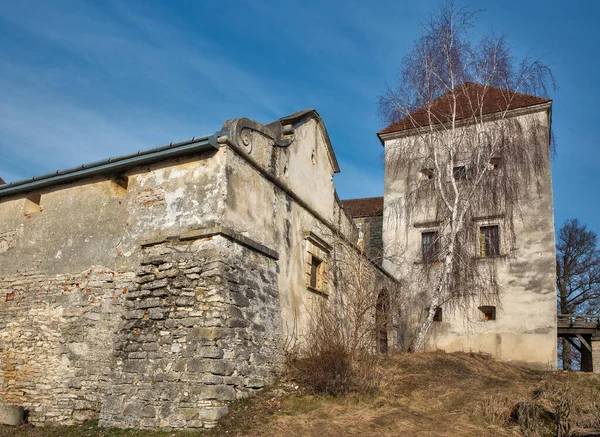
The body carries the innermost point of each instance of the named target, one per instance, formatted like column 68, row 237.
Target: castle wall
column 157, row 303
column 525, row 326
column 96, row 222
column 202, row 329
column 371, row 229
column 57, row 336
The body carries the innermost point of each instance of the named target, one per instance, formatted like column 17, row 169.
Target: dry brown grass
column 435, row 394
column 419, row 394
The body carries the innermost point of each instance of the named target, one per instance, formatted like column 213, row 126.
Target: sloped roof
column 469, row 99
column 114, row 165
column 2, row 181
column 365, row 207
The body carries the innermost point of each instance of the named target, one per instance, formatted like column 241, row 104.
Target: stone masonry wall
column 202, row 329
column 56, row 341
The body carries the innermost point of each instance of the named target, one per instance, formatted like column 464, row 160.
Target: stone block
column 212, row 414
column 218, row 392
column 210, row 352
column 11, row 414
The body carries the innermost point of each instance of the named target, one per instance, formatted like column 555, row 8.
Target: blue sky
column 82, row 81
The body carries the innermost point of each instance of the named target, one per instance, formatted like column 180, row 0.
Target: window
column 460, row 173
column 488, row 312
column 316, row 255
column 32, row 203
column 489, row 241
column 426, row 174
column 430, row 245
column 494, row 164
column 315, row 270
column 437, row 317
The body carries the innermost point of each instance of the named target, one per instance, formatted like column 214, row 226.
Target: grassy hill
column 422, row 394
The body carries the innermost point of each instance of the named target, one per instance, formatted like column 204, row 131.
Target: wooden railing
column 579, row 320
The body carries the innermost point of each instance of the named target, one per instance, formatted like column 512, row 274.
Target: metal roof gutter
column 115, row 165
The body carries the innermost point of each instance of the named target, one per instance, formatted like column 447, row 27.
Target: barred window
column 431, row 247
column 489, row 241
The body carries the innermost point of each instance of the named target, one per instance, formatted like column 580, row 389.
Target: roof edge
column 114, row 165
column 463, row 121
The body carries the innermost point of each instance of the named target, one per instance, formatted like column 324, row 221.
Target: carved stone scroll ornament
column 242, row 129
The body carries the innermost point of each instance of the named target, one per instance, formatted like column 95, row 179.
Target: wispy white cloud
column 126, row 82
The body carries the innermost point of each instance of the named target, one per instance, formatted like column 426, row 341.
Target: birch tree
column 455, row 93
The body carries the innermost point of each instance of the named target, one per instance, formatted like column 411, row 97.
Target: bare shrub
column 349, row 324
column 325, row 363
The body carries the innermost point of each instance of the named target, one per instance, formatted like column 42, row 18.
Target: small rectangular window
column 489, row 241
column 488, row 312
column 494, row 164
column 315, row 267
column 430, row 246
column 460, row 173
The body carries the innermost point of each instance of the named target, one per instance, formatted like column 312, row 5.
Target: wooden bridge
column 587, row 329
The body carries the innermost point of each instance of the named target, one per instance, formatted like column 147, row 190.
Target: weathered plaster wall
column 371, row 229
column 92, row 223
column 262, row 210
column 525, row 329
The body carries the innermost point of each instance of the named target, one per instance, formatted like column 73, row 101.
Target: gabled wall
column 157, row 304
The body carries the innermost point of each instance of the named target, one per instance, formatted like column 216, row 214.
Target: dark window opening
column 460, row 173
column 437, row 317
column 489, row 241
column 495, row 163
column 430, row 246
column 488, row 312
column 315, row 265
column 426, row 174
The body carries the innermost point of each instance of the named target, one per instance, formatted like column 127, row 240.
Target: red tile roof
column 2, row 181
column 366, row 207
column 469, row 98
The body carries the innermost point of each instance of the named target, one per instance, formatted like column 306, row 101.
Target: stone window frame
column 316, row 249
column 430, row 245
column 488, row 221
